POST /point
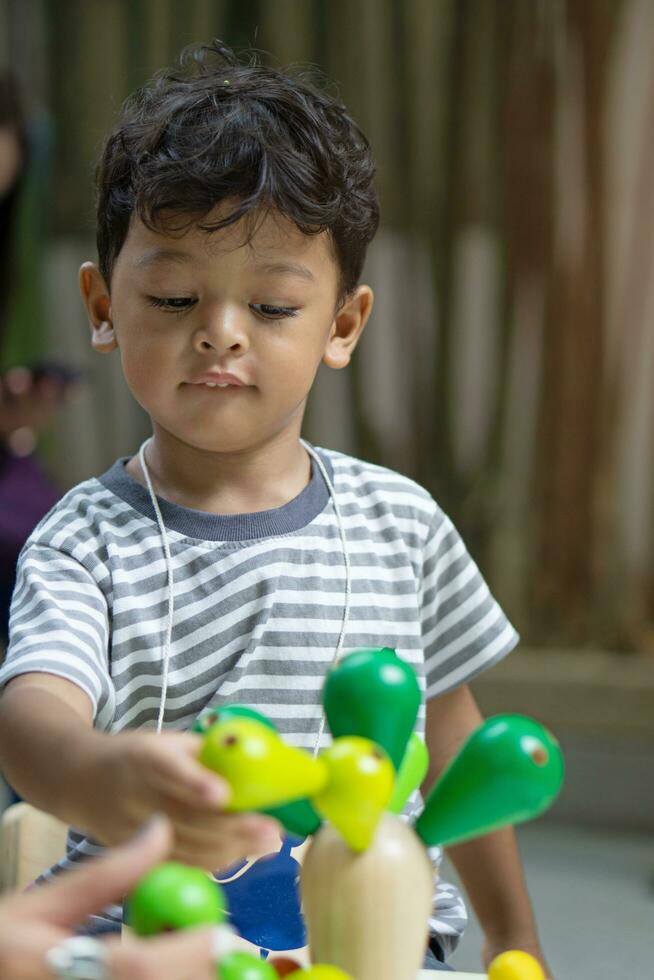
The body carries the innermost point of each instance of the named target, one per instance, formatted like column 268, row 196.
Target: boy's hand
column 110, row 784
column 135, row 774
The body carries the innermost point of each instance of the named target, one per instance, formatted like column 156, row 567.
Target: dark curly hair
column 214, row 129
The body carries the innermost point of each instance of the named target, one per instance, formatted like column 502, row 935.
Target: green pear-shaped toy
column 298, row 817
column 261, row 769
column 359, row 786
column 411, row 773
column 174, row 896
column 223, row 712
column 374, row 694
column 509, row 770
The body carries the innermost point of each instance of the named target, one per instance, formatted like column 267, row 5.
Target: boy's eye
column 273, row 312
column 179, row 304
column 173, row 304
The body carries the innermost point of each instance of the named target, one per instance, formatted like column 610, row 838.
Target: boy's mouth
column 218, row 379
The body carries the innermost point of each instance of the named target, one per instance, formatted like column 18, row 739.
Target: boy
column 228, row 560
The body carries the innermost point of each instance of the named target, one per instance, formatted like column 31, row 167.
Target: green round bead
column 174, row 896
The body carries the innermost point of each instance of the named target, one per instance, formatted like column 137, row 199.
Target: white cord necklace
column 170, row 581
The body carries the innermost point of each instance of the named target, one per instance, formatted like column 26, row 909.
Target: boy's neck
column 245, row 482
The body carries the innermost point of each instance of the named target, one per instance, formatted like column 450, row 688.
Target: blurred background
column 508, row 365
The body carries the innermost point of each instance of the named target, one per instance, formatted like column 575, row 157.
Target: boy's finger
column 82, row 891
column 177, row 772
column 179, row 956
column 245, row 833
column 217, row 859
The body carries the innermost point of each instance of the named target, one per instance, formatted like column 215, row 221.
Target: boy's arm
column 46, row 739
column 490, row 866
column 108, row 784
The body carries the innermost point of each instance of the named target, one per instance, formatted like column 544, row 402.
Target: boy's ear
column 98, row 306
column 347, row 327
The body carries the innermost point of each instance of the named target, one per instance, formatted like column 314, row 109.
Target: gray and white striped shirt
column 258, row 605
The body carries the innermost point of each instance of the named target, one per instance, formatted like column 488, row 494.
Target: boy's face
column 195, row 312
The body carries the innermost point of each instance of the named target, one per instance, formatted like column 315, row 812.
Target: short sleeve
column 59, row 625
column 464, row 630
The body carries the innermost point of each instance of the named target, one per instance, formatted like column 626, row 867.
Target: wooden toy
column 515, row 965
column 321, row 971
column 375, row 694
column 284, row 965
column 367, row 882
column 359, row 785
column 260, row 768
column 223, row 712
column 367, row 913
column 244, row 966
column 298, row 816
column 173, row 896
column 411, row 773
column 509, row 770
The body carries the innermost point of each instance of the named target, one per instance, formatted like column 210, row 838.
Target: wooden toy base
column 367, row 912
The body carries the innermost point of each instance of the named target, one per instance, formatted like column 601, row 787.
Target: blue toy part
column 264, row 901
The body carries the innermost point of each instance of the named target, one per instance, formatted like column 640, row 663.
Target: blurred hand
column 32, row 923
column 28, row 405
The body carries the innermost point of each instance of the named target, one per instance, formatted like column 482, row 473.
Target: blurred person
column 29, row 396
column 37, row 940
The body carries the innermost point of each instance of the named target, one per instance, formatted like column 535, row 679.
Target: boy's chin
column 221, row 444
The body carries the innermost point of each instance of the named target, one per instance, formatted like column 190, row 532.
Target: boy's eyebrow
column 162, row 254
column 287, row 269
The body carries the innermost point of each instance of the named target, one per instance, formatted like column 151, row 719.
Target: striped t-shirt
column 258, row 605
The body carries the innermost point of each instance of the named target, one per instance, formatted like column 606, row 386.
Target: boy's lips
column 222, row 379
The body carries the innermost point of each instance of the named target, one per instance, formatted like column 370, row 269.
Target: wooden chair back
column 30, row 841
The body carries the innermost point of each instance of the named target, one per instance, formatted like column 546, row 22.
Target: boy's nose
column 221, row 331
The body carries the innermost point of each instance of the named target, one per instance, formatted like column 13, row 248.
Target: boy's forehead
column 269, row 242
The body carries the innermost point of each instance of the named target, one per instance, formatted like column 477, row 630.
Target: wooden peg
column 368, row 913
